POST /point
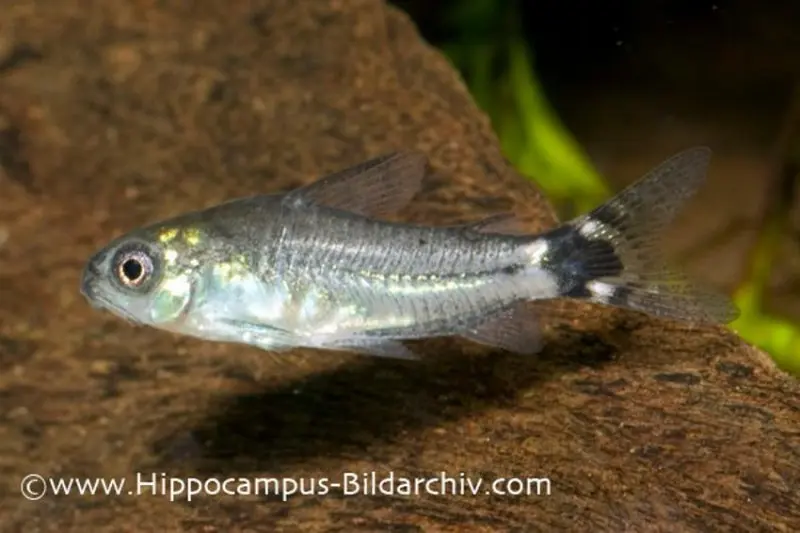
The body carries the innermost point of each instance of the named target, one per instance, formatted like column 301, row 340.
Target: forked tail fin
column 613, row 255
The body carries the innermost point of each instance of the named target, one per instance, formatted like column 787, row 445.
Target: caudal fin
column 613, row 255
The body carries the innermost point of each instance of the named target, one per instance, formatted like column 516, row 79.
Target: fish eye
column 133, row 267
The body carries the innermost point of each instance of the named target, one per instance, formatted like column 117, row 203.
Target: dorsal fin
column 500, row 223
column 374, row 188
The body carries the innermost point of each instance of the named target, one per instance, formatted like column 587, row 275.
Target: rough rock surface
column 115, row 113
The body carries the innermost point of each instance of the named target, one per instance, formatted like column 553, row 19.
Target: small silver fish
column 317, row 267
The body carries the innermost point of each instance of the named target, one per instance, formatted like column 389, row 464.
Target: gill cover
column 171, row 299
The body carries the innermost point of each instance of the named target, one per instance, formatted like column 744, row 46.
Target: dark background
column 727, row 61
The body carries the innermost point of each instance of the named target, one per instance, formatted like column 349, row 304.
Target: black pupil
column 132, row 269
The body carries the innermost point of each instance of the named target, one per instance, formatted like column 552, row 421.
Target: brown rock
column 116, row 113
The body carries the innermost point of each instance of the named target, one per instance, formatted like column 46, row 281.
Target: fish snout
column 89, row 279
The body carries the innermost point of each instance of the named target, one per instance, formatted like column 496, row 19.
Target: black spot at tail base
column 576, row 260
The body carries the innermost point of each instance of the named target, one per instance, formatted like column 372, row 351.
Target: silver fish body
column 318, row 267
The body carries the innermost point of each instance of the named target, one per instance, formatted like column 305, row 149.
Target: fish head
column 148, row 276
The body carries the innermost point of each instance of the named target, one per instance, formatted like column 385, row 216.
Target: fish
column 323, row 267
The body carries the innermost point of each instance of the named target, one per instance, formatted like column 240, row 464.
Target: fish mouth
column 97, row 299
column 101, row 302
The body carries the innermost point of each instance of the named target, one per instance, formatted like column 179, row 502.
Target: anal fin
column 515, row 329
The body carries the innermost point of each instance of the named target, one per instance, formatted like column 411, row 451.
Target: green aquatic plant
column 497, row 65
column 777, row 336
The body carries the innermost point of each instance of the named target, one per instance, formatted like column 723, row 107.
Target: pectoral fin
column 262, row 336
